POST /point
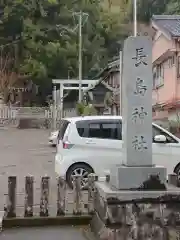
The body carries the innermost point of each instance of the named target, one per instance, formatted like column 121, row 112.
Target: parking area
column 23, row 153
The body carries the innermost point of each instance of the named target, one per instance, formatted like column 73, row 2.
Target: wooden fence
column 39, row 112
column 39, row 116
column 10, row 205
column 138, row 215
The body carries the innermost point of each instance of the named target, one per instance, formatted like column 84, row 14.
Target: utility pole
column 81, row 22
column 54, row 107
column 120, row 82
column 135, row 17
column 80, row 56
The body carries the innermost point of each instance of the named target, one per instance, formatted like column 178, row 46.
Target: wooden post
column 91, row 190
column 11, row 204
column 61, row 196
column 44, row 202
column 77, row 195
column 28, row 211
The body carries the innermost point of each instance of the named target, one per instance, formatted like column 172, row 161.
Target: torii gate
column 69, row 84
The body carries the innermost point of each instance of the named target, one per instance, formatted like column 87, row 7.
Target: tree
column 47, row 40
column 173, row 7
column 114, row 31
column 8, row 77
column 150, row 7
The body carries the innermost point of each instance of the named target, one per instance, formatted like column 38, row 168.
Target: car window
column 82, row 128
column 62, row 130
column 156, row 131
column 94, row 130
column 104, row 129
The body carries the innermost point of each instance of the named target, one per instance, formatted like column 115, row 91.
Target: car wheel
column 177, row 171
column 79, row 169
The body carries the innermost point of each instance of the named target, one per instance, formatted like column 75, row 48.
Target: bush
column 85, row 110
column 80, row 109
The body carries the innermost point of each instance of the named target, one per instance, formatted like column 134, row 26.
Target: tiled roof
column 169, row 23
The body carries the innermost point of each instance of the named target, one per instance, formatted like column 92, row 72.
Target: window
column 158, row 76
column 104, row 129
column 171, row 61
column 178, row 67
column 62, row 130
column 156, row 131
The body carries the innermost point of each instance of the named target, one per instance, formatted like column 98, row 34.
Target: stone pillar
column 92, row 178
column 137, row 117
column 28, row 211
column 77, row 192
column 44, row 203
column 11, row 204
column 61, row 196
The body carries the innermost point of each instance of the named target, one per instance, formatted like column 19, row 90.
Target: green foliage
column 156, row 7
column 47, row 41
column 89, row 110
column 80, row 109
column 85, row 110
column 45, row 34
column 173, row 7
column 150, row 7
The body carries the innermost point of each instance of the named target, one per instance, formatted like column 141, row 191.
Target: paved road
column 47, row 233
column 24, row 152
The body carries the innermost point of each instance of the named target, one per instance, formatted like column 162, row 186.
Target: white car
column 93, row 143
column 53, row 138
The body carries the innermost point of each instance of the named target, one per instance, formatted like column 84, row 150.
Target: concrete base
column 124, row 177
column 45, row 221
column 118, row 213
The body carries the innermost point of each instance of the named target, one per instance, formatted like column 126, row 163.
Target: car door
column 166, row 154
column 104, row 144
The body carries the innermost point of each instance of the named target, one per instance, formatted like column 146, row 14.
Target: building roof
column 100, row 81
column 169, row 23
column 111, row 66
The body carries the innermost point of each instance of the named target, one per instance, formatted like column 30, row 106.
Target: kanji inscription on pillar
column 137, row 101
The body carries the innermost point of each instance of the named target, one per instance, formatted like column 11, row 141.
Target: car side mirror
column 160, row 139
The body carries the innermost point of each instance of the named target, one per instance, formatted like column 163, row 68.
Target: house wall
column 169, row 90
column 160, row 45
